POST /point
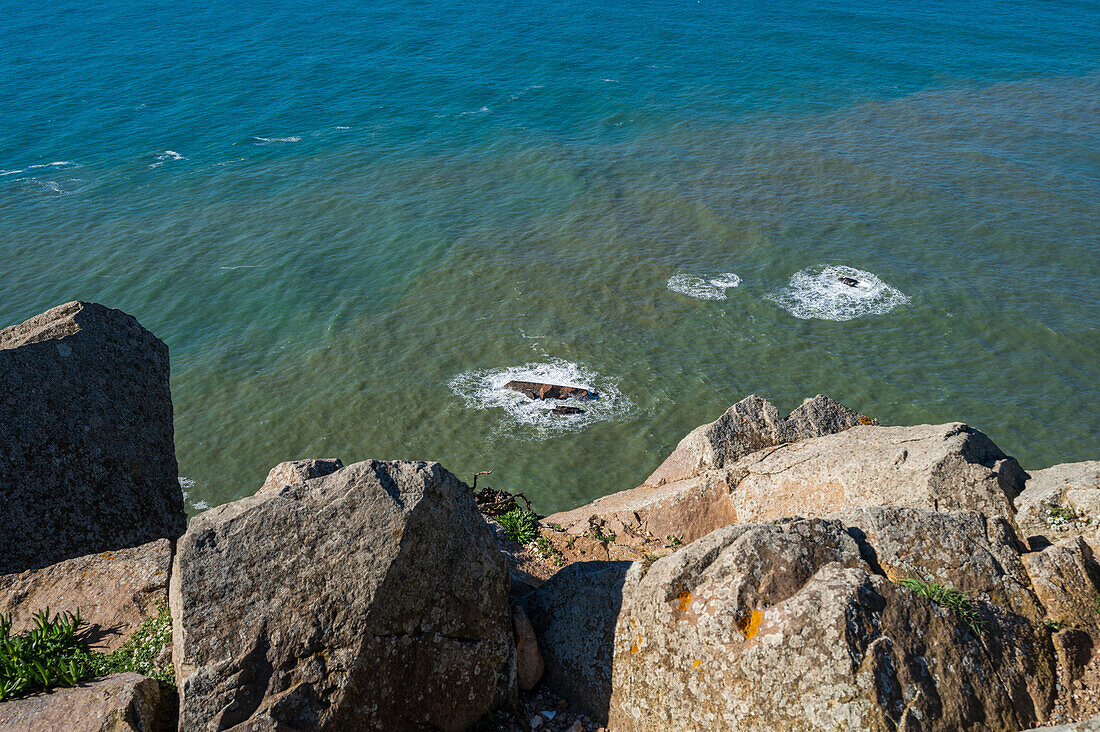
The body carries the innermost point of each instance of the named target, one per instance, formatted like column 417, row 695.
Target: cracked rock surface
column 800, row 625
column 370, row 598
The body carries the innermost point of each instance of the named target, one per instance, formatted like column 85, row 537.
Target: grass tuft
column 521, row 525
column 950, row 598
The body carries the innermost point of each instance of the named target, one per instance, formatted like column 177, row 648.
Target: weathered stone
column 949, row 467
column 1066, row 579
column 87, row 462
column 1061, row 502
column 529, row 663
column 371, row 598
column 114, row 591
column 537, row 390
column 298, row 471
column 566, row 411
column 1088, row 725
column 790, row 626
column 686, row 509
column 939, row 467
column 750, row 425
column 574, row 616
column 118, row 703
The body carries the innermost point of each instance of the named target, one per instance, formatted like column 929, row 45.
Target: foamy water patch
column 187, row 485
column 823, row 293
column 704, row 288
column 484, row 389
column 167, row 156
column 291, row 138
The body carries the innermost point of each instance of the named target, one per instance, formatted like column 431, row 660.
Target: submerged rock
column 370, row 598
column 850, row 281
column 87, row 461
column 119, row 703
column 799, row 625
column 565, row 411
column 539, row 390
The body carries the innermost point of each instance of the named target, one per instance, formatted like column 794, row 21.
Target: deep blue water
column 340, row 217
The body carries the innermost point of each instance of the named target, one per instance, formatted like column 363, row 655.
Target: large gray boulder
column 574, row 615
column 1061, row 502
column 87, row 462
column 115, row 592
column 797, row 625
column 119, row 703
column 371, row 598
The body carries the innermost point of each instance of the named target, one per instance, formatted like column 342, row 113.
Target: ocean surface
column 353, row 222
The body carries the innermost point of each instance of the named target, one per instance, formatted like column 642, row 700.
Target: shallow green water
column 353, row 292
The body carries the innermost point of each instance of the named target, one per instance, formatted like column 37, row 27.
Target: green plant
column 1054, row 626
column 947, row 597
column 520, row 524
column 1059, row 516
column 139, row 653
column 598, row 535
column 546, row 550
column 671, row 541
column 50, row 654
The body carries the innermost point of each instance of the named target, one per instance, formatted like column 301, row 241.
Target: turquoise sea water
column 352, row 222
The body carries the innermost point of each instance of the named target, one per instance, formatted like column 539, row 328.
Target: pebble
column 536, row 721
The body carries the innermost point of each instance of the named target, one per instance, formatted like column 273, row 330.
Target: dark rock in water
column 567, row 410
column 87, row 460
column 851, row 282
column 537, row 390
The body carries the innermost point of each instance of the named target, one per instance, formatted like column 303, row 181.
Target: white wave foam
column 819, row 293
column 10, row 172
column 292, row 138
column 481, row 110
column 165, row 157
column 484, row 389
column 704, row 288
column 186, row 484
column 342, row 127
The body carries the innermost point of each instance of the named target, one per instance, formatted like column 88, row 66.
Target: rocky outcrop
column 370, row 598
column 539, row 390
column 574, row 616
column 940, row 467
column 119, row 703
column 750, row 425
column 798, row 625
column 1060, row 502
column 115, row 592
column 298, row 471
column 87, row 462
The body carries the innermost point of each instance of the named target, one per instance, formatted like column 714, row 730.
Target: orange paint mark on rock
column 696, row 663
column 685, row 600
column 749, row 625
column 634, row 648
